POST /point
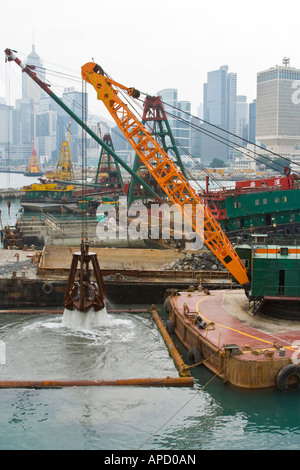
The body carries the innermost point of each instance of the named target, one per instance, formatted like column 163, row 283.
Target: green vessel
column 271, row 204
column 275, row 278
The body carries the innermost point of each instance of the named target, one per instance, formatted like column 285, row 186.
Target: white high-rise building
column 278, row 108
column 30, row 90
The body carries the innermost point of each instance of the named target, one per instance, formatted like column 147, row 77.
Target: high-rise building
column 277, row 110
column 179, row 117
column 252, row 122
column 46, row 135
column 38, row 120
column 242, row 119
column 78, row 103
column 219, row 109
column 30, row 90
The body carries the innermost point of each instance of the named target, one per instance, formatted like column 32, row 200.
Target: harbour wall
column 10, row 193
column 22, row 293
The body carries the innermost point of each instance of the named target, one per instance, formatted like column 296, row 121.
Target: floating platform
column 131, row 276
column 42, row 207
column 220, row 332
column 56, row 260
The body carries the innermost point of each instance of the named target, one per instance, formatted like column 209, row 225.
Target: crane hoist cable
column 194, row 126
column 238, row 147
column 288, row 160
column 84, row 225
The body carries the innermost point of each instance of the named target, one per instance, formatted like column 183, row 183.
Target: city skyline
column 168, row 46
column 220, row 107
column 96, row 107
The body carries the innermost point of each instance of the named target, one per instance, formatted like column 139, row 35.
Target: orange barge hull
column 237, row 352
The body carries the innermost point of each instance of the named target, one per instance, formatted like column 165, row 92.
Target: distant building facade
column 179, row 118
column 38, row 121
column 278, row 108
column 242, row 119
column 219, row 109
column 252, row 122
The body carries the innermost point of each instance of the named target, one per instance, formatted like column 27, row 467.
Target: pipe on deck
column 143, row 382
column 61, row 311
column 181, row 366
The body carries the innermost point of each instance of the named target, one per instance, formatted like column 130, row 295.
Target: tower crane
column 64, row 168
column 167, row 174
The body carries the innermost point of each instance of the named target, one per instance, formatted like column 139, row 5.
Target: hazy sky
column 151, row 45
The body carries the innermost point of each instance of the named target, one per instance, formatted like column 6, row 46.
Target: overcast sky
column 151, row 45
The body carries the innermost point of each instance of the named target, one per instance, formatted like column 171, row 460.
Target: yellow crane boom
column 164, row 170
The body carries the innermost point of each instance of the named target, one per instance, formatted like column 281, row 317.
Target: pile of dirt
column 198, row 261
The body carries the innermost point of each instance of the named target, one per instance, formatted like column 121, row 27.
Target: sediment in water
column 86, row 320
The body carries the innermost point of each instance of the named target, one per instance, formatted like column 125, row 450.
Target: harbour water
column 210, row 415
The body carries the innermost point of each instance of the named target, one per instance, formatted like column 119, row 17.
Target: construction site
column 87, row 250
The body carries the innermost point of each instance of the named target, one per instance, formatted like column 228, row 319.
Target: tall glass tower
column 179, row 117
column 30, row 90
column 219, row 99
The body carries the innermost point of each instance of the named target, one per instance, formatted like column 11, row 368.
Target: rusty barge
column 250, row 338
column 236, row 351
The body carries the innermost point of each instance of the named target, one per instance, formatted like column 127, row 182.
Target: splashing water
column 86, row 320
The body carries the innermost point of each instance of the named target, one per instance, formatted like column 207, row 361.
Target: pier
column 10, row 193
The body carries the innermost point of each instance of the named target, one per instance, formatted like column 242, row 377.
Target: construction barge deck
column 245, row 351
column 37, row 279
column 210, row 314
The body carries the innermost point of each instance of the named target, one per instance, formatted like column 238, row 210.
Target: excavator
column 163, row 169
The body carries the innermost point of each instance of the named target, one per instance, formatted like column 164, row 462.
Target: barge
column 248, row 337
column 219, row 332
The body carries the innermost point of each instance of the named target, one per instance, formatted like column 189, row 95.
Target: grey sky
column 152, row 45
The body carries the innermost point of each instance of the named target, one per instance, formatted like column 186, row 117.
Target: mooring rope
column 184, row 405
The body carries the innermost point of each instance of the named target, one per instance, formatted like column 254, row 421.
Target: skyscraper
column 30, row 90
column 242, row 119
column 252, row 122
column 179, row 117
column 219, row 98
column 278, row 112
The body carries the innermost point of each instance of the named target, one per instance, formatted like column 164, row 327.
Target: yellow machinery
column 33, row 168
column 64, row 167
column 165, row 171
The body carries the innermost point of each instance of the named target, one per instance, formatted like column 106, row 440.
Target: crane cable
column 192, row 178
column 84, row 225
column 206, row 131
column 227, row 142
column 288, row 160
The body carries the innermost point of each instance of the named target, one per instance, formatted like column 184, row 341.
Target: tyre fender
column 47, row 288
column 282, row 380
